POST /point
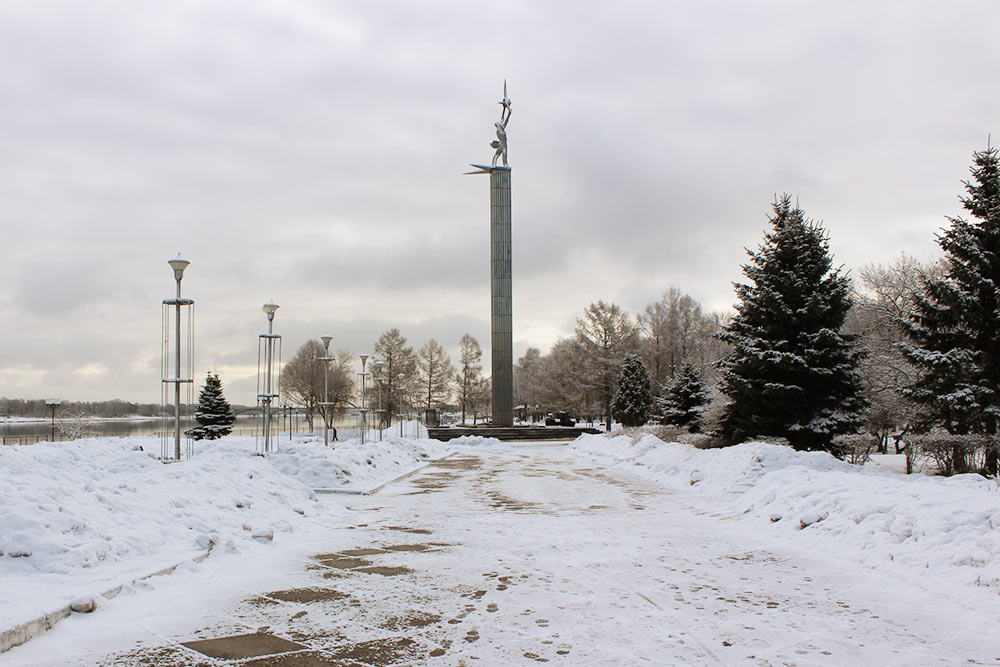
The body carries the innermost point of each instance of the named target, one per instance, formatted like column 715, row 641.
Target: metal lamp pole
column 53, row 403
column 266, row 397
column 178, row 265
column 400, row 387
column 378, row 381
column 326, row 388
column 364, row 423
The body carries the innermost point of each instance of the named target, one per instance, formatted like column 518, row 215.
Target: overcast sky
column 312, row 153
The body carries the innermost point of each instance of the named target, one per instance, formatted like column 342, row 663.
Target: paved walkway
column 527, row 554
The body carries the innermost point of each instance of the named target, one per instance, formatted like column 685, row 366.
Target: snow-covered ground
column 82, row 517
column 574, row 555
column 924, row 526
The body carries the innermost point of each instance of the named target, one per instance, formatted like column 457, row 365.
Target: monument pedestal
column 501, row 343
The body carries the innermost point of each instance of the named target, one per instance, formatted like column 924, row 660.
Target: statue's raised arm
column 500, row 144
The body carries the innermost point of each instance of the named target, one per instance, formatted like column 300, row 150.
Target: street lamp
column 400, row 388
column 268, row 386
column 53, row 403
column 326, row 388
column 378, row 379
column 364, row 423
column 178, row 265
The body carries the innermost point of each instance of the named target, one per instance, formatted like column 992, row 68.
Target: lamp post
column 400, row 387
column 178, row 265
column 378, row 382
column 53, row 403
column 364, row 423
column 266, row 391
column 326, row 338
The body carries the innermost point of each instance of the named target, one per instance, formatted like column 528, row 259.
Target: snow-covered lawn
column 82, row 517
column 918, row 525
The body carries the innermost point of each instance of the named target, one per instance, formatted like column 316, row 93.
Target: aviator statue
column 500, row 143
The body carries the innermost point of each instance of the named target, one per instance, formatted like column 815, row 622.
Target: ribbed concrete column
column 502, row 342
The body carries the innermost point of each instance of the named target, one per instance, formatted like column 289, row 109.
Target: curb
column 376, row 489
column 25, row 632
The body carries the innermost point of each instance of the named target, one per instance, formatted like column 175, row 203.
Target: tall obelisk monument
column 502, row 342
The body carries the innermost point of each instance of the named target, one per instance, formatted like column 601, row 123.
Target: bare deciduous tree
column 436, row 373
column 397, row 358
column 675, row 331
column 470, row 373
column 883, row 298
column 527, row 383
column 302, row 382
column 607, row 335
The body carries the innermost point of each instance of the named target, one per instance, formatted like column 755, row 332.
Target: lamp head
column 269, row 308
column 54, row 401
column 178, row 265
column 326, row 338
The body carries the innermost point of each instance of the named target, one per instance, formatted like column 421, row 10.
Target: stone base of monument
column 510, row 433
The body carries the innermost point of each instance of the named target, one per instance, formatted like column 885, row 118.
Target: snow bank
column 474, row 441
column 349, row 464
column 931, row 525
column 81, row 517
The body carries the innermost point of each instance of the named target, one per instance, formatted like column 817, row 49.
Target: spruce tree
column 957, row 318
column 633, row 404
column 214, row 414
column 685, row 399
column 791, row 373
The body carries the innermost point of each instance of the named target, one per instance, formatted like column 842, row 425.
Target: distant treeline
column 19, row 407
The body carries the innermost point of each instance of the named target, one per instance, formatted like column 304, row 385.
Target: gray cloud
column 312, row 153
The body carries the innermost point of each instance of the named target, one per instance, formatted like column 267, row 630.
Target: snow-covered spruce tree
column 214, row 414
column 684, row 399
column 633, row 404
column 791, row 373
column 957, row 319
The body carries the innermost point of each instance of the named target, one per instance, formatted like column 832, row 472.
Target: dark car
column 560, row 419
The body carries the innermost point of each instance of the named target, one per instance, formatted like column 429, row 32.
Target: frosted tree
column 791, row 373
column 684, row 399
column 957, row 318
column 633, row 402
column 214, row 415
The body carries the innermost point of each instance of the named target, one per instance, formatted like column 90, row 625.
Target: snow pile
column 85, row 516
column 474, row 441
column 349, row 464
column 931, row 525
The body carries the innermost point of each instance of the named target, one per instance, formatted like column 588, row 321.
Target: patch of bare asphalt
column 414, row 619
column 390, row 651
column 239, row 647
column 307, row 595
column 360, row 552
column 163, row 656
column 341, row 562
column 415, row 531
column 385, row 570
column 408, row 547
column 460, row 463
